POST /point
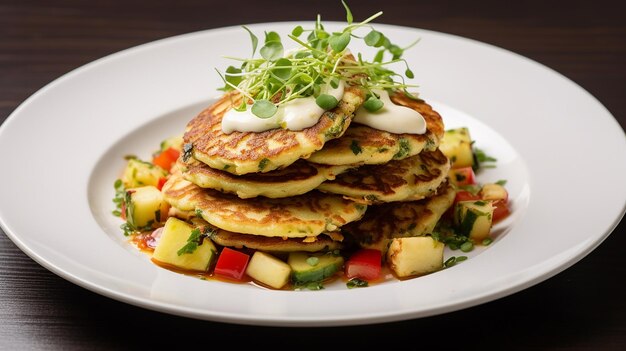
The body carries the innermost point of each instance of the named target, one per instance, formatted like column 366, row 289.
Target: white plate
column 62, row 149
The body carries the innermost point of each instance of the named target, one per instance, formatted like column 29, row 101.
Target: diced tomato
column 464, row 195
column 231, row 263
column 501, row 210
column 166, row 158
column 462, row 176
column 364, row 264
column 161, row 183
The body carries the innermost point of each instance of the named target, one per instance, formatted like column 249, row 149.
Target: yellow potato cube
column 145, row 206
column 140, row 173
column 457, row 146
column 413, row 256
column 175, row 248
column 268, row 270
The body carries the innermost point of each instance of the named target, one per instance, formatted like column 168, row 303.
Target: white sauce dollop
column 391, row 117
column 296, row 114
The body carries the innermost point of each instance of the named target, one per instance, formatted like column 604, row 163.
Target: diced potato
column 492, row 191
column 268, row 270
column 140, row 173
column 174, row 237
column 474, row 218
column 413, row 256
column 145, row 205
column 457, row 146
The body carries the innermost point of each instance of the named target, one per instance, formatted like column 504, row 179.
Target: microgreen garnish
column 321, row 60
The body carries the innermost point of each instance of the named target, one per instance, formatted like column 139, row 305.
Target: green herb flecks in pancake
column 361, row 144
column 296, row 179
column 294, row 217
column 409, row 179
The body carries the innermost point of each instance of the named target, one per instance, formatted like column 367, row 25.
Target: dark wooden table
column 581, row 308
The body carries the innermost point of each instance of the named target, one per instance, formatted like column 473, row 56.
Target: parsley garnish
column 481, row 158
column 195, row 239
column 356, row 283
column 355, row 147
column 119, row 197
column 187, row 148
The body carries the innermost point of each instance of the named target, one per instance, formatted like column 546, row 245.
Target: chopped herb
column 454, row 260
column 315, row 286
column 195, row 239
column 263, row 163
column 355, row 147
column 198, row 212
column 501, row 182
column 480, row 158
column 467, row 246
column 187, row 149
column 403, row 150
column 487, row 241
column 356, row 283
column 119, row 197
column 192, row 242
column 370, row 197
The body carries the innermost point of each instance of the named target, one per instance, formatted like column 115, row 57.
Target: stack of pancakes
column 334, row 184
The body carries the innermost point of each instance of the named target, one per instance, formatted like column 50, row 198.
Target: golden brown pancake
column 383, row 222
column 274, row 244
column 361, row 144
column 296, row 179
column 300, row 216
column 408, row 179
column 248, row 152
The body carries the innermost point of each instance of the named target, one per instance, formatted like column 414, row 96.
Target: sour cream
column 297, row 114
column 391, row 117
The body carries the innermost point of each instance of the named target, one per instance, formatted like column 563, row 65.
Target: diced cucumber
column 413, row 256
column 176, row 234
column 268, row 270
column 313, row 267
column 457, row 146
column 473, row 219
column 145, row 206
column 140, row 173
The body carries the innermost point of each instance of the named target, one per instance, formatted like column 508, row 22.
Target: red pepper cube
column 166, row 158
column 364, row 264
column 231, row 264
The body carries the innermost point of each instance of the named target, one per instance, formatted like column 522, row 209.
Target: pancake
column 361, row 144
column 408, row 179
column 275, row 244
column 294, row 217
column 332, row 241
column 383, row 222
column 296, row 179
column 248, row 152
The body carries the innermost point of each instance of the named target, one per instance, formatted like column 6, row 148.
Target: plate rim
column 269, row 320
